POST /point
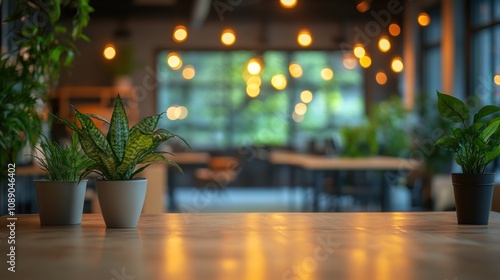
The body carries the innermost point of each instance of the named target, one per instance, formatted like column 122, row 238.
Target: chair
column 221, row 171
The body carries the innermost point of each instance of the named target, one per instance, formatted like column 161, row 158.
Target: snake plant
column 117, row 154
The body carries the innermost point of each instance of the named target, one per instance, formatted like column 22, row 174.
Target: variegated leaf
column 137, row 145
column 118, row 130
column 148, row 124
column 94, row 133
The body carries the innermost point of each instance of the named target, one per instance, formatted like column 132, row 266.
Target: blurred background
column 264, row 91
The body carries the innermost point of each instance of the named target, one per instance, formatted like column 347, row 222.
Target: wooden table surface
column 317, row 162
column 258, row 246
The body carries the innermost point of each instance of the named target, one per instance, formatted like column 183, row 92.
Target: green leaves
column 117, row 154
column 118, row 130
column 475, row 143
column 452, row 108
column 486, row 111
column 62, row 162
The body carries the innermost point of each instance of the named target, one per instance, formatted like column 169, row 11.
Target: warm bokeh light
column 365, row 61
column 306, row 96
column 349, row 61
column 177, row 112
column 174, row 60
column 182, row 112
column 424, row 19
column 304, row 38
column 381, row 78
column 188, row 72
column 384, row 44
column 228, row 37
column 180, row 33
column 397, row 64
column 496, row 79
column 326, row 74
column 254, row 80
column 254, row 66
column 278, row 81
column 394, row 29
column 288, row 3
column 253, row 90
column 359, row 51
column 297, row 118
column 363, row 6
column 300, row 108
column 295, row 70
column 109, row 52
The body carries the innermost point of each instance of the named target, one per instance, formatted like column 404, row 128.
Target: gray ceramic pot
column 60, row 203
column 121, row 201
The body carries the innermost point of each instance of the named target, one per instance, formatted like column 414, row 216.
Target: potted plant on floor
column 116, row 157
column 61, row 194
column 475, row 143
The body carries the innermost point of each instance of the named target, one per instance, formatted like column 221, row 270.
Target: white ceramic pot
column 60, row 203
column 121, row 202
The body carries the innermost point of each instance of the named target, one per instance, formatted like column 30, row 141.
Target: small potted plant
column 475, row 143
column 115, row 158
column 61, row 194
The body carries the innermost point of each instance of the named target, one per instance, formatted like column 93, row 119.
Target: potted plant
column 116, row 157
column 40, row 43
column 61, row 194
column 475, row 143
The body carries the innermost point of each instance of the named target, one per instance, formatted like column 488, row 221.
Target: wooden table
column 392, row 168
column 258, row 246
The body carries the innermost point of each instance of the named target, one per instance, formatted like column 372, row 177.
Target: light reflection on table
column 259, row 246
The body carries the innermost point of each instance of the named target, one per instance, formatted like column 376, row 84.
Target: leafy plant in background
column 62, row 163
column 475, row 142
column 427, row 127
column 359, row 141
column 19, row 119
column 39, row 45
column 116, row 155
column 391, row 122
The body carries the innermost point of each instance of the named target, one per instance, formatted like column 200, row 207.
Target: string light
column 188, row 72
column 278, row 81
column 288, row 4
column 228, row 37
column 109, row 52
column 394, row 29
column 304, row 38
column 384, row 44
column 295, row 70
column 254, row 66
column 326, row 74
column 397, row 65
column 174, row 61
column 365, row 61
column 381, row 78
column 180, row 33
column 359, row 51
column 424, row 19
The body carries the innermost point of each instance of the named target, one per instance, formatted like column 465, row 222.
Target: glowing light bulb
column 228, row 37
column 180, row 33
column 304, row 38
column 109, row 52
column 384, row 44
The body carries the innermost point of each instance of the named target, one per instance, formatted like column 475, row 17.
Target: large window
column 223, row 106
column 485, row 52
